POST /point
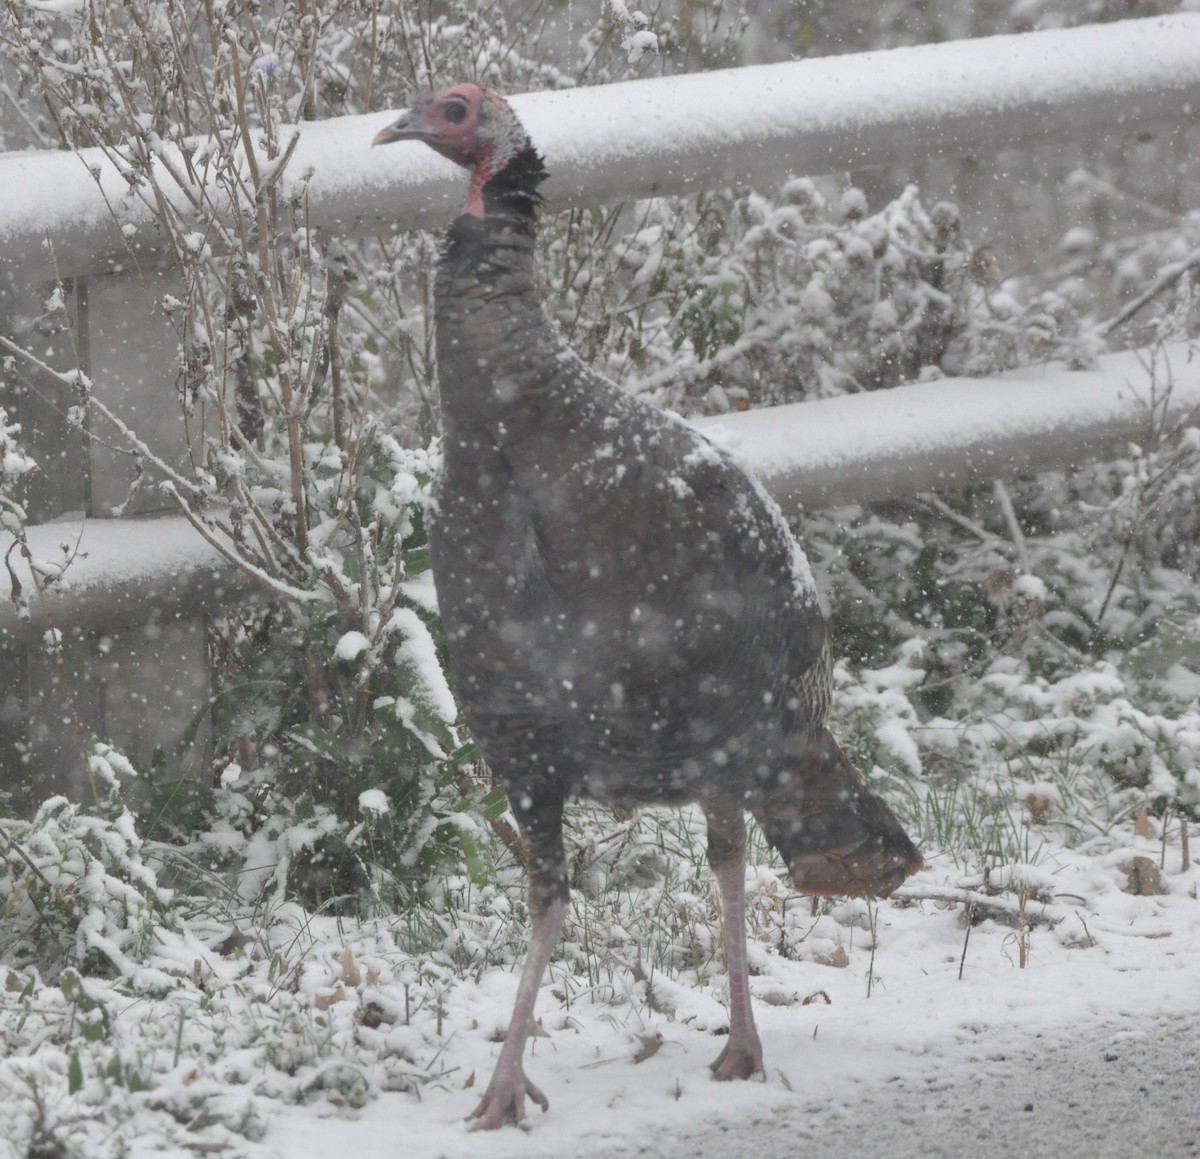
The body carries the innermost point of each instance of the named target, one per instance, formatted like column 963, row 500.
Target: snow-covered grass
column 307, row 1030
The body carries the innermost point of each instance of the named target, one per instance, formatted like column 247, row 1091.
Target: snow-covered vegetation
column 332, row 908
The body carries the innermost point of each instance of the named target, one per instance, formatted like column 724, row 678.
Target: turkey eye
column 455, row 113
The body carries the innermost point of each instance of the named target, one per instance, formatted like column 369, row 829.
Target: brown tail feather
column 837, row 837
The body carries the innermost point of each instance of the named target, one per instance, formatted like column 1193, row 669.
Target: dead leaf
column 470, row 1081
column 325, row 1001
column 651, row 1043
column 839, row 959
column 815, row 995
column 1144, row 826
column 1040, row 807
column 350, row 974
column 1142, row 877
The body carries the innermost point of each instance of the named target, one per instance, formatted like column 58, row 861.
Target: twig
column 873, row 926
column 1167, row 277
column 300, row 595
column 77, row 380
column 947, row 512
column 995, row 906
column 15, row 848
column 1014, row 528
column 1049, row 913
column 962, row 961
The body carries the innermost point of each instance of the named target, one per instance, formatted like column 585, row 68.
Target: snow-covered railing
column 957, row 431
column 107, row 574
column 678, row 134
column 852, row 449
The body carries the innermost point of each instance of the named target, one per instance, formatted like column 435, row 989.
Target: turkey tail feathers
column 836, row 836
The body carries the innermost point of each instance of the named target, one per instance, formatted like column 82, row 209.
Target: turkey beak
column 408, row 127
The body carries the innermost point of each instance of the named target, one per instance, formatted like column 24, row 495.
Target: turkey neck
column 498, row 358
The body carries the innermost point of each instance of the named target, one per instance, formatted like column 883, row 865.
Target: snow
column 299, row 1035
column 373, row 801
column 419, row 650
column 350, row 646
column 921, row 1026
column 607, row 143
column 108, row 553
column 109, row 571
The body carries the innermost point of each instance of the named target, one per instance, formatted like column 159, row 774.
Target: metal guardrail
column 956, row 431
column 670, row 135
column 119, row 573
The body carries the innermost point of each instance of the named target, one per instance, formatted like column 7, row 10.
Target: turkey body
column 628, row 617
column 626, row 613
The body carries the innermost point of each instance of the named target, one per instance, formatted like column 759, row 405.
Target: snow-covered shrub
column 76, row 889
column 1072, row 658
column 15, row 464
column 333, row 686
column 742, row 299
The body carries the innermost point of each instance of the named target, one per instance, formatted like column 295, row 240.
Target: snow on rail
column 960, row 430
column 811, row 454
column 114, row 573
column 679, row 134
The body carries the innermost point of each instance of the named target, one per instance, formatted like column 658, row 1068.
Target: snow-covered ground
column 308, row 1036
column 921, row 1028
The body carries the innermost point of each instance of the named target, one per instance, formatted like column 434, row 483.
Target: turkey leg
column 742, row 1056
column 504, row 1100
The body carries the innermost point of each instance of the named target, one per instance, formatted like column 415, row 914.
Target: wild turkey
column 627, row 615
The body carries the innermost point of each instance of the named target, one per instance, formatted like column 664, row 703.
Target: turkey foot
column 738, row 1061
column 504, row 1101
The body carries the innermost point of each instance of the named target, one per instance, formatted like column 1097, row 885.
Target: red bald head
column 468, row 124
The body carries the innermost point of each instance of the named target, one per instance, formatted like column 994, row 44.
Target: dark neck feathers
column 496, row 351
column 514, row 189
column 510, row 201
